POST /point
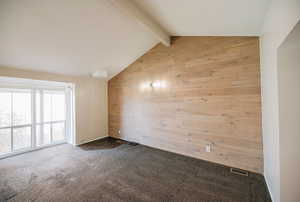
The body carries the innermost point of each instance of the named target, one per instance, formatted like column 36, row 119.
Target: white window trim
column 33, row 85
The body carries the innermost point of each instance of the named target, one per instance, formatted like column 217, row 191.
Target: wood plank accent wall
column 199, row 91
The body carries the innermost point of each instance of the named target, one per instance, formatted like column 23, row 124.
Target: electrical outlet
column 119, row 131
column 208, row 148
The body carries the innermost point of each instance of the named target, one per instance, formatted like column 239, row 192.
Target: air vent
column 239, row 172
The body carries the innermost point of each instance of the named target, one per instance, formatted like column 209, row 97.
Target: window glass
column 21, row 138
column 47, row 134
column 38, row 107
column 21, row 108
column 5, row 141
column 58, row 130
column 5, row 109
column 47, row 107
column 58, row 107
column 38, row 135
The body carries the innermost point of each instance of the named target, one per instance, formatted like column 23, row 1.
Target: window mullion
column 67, row 115
column 11, row 123
column 20, row 126
column 5, row 127
column 51, row 113
column 42, row 116
column 33, row 118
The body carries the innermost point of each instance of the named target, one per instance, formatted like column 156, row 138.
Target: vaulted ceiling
column 208, row 17
column 77, row 37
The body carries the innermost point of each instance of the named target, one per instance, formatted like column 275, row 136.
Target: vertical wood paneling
column 209, row 94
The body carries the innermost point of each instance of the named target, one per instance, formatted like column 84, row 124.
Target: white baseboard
column 98, row 138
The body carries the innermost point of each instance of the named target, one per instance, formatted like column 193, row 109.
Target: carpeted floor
column 113, row 170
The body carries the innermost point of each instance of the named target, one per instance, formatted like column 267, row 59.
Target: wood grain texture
column 205, row 90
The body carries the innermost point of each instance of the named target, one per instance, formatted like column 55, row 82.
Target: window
column 50, row 127
column 15, row 120
column 34, row 116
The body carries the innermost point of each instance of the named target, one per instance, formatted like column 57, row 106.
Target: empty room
column 149, row 100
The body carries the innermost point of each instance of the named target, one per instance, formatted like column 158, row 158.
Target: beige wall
column 91, row 101
column 283, row 15
column 289, row 116
column 210, row 94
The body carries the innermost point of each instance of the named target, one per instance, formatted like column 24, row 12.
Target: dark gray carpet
column 111, row 170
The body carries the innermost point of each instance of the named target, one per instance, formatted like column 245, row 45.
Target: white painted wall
column 289, row 116
column 282, row 16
